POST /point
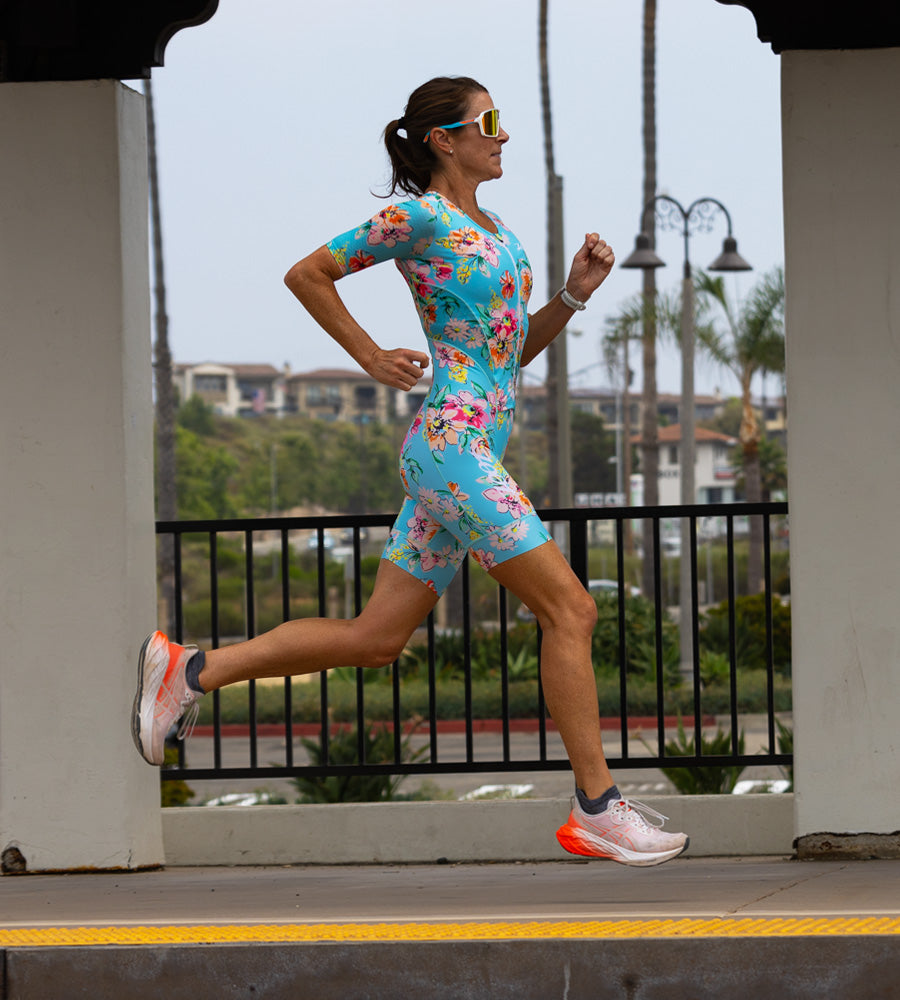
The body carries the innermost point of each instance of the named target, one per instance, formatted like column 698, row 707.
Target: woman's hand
column 591, row 265
column 400, row 368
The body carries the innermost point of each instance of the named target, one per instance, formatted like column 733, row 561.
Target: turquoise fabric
column 471, row 289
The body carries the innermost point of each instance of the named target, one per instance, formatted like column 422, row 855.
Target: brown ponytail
column 438, row 102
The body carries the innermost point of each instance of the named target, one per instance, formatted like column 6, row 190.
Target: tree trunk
column 749, row 436
column 649, row 402
column 625, row 457
column 558, row 421
column 166, row 501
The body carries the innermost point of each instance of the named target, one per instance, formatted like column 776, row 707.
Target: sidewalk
column 694, row 928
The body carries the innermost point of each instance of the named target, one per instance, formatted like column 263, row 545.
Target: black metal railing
column 278, row 568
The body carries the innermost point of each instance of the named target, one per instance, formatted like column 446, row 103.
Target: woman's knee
column 381, row 647
column 575, row 612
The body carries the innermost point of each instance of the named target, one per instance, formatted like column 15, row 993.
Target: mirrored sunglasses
column 488, row 123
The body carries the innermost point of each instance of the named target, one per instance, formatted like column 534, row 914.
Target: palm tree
column 752, row 342
column 649, row 402
column 558, row 417
column 166, row 503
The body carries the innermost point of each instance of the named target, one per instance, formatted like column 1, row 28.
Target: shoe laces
column 191, row 704
column 639, row 812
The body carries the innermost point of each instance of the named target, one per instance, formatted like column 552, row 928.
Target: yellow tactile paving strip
column 48, row 937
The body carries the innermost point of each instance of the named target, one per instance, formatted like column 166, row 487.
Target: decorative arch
column 91, row 39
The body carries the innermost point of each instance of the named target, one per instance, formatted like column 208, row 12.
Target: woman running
column 471, row 282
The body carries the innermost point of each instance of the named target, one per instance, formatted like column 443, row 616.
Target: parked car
column 612, row 587
column 313, row 541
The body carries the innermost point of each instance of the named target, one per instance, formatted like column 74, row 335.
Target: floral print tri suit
column 471, row 289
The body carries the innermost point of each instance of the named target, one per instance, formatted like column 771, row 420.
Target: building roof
column 330, row 374
column 672, row 435
column 245, row 370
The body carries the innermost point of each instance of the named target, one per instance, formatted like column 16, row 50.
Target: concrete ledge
column 803, row 968
column 428, row 832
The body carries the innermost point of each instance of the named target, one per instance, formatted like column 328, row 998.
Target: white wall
column 841, row 147
column 76, row 500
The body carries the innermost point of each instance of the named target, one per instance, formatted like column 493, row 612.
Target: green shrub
column 640, row 639
column 712, row 780
column 378, row 743
column 484, row 655
column 175, row 792
column 486, row 699
column 750, row 632
column 784, row 738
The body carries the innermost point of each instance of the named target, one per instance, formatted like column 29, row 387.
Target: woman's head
column 440, row 101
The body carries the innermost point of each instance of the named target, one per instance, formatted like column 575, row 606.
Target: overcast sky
column 269, row 121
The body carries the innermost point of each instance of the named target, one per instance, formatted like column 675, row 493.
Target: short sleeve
column 395, row 233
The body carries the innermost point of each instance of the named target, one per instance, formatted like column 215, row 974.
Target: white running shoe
column 163, row 696
column 622, row 833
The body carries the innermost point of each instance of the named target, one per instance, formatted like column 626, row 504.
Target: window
column 209, row 383
column 250, row 390
column 364, row 397
column 673, row 454
column 323, row 395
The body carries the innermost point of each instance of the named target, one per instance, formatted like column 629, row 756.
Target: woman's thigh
column 460, row 498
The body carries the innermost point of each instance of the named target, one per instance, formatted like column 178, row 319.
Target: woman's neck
column 461, row 195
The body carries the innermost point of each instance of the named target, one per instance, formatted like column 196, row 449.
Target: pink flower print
column 466, row 242
column 501, row 348
column 504, row 324
column 465, row 410
column 507, row 285
column 486, row 560
column 390, row 227
column 449, row 510
column 428, row 499
column 422, row 527
column 456, row 329
column 439, row 430
column 442, row 270
column 526, row 283
column 489, row 252
column 499, row 400
column 515, row 531
column 500, row 542
column 508, row 499
column 360, row 260
column 451, row 356
column 419, row 276
column 429, row 558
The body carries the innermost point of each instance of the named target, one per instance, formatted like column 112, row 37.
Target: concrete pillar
column 77, row 589
column 841, row 148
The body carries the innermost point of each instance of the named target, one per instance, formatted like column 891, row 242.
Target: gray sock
column 192, row 671
column 597, row 805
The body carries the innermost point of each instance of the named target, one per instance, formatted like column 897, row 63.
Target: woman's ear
column 440, row 141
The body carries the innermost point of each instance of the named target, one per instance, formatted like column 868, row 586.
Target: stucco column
column 841, row 147
column 76, row 491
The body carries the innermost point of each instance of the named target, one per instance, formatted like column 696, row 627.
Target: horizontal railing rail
column 275, row 567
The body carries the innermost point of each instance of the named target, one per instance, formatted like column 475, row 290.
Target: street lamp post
column 698, row 217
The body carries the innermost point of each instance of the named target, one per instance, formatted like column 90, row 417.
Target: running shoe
column 621, row 833
column 163, row 696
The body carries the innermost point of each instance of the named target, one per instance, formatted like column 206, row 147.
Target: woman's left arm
column 589, row 269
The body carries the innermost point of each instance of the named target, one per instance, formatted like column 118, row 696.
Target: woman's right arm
column 312, row 280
